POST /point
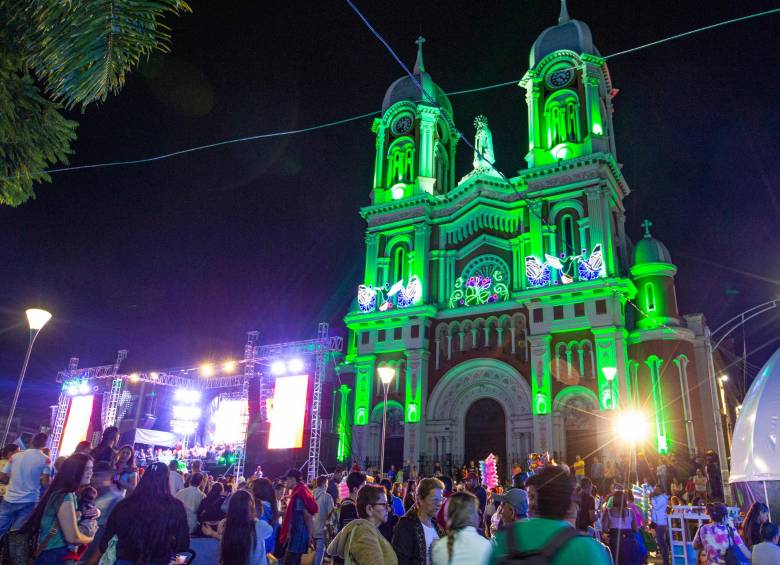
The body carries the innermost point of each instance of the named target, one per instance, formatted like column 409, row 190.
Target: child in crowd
column 87, row 515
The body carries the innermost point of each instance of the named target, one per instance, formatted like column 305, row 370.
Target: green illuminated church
column 517, row 313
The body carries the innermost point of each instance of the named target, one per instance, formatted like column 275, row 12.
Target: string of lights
column 343, row 121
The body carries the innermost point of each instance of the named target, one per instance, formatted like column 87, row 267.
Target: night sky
column 177, row 259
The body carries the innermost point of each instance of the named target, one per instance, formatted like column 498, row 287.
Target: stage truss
column 256, row 364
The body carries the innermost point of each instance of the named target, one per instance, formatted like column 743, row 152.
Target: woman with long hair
column 751, row 527
column 242, row 535
column 620, row 521
column 150, row 524
column 54, row 518
column 210, row 508
column 126, row 471
column 417, row 529
column 105, row 450
column 463, row 545
column 267, row 507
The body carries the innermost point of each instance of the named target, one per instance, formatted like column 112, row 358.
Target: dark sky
column 176, row 260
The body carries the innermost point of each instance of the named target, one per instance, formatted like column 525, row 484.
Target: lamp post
column 386, row 375
column 609, row 374
column 36, row 319
column 725, row 407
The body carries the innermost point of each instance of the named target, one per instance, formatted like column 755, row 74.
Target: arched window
column 563, row 123
column 569, row 239
column 442, row 169
column 650, row 297
column 400, row 161
column 399, row 264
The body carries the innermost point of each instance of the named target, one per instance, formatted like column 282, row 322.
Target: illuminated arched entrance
column 485, row 431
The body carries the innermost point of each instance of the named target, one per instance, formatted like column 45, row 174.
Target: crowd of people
column 100, row 506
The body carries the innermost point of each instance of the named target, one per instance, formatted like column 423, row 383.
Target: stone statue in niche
column 484, row 156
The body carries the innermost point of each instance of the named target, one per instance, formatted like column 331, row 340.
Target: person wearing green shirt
column 546, row 532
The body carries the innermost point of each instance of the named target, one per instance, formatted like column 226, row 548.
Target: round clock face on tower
column 402, row 124
column 559, row 78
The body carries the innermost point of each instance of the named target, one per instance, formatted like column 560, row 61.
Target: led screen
column 229, row 421
column 289, row 412
column 77, row 423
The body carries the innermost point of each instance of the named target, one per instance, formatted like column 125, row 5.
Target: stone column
column 422, row 234
column 682, row 367
column 416, row 398
column 541, row 389
column 372, row 252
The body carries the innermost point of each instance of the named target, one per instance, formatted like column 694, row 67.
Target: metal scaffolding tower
column 115, row 393
column 249, row 373
column 320, row 349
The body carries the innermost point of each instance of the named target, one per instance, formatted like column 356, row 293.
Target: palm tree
column 77, row 52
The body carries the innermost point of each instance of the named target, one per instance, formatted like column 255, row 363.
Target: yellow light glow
column 134, row 377
column 631, row 426
column 229, row 366
column 724, row 378
column 207, row 370
column 154, row 376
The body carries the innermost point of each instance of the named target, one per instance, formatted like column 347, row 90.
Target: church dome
column 650, row 249
column 572, row 35
column 407, row 89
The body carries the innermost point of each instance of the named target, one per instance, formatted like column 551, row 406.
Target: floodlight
column 207, row 370
column 84, row 388
column 295, row 365
column 631, row 426
column 72, row 389
column 134, row 377
column 186, row 413
column 154, row 376
column 229, row 366
column 277, row 367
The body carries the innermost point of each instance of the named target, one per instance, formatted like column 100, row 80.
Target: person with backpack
column 720, row 541
column 347, row 508
column 546, row 538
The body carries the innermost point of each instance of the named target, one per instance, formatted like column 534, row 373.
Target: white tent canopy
column 755, row 455
column 155, row 437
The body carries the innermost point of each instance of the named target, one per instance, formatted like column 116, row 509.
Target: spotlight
column 724, row 378
column 186, row 412
column 135, row 377
column 72, row 389
column 187, row 395
column 154, row 376
column 229, row 366
column 207, row 370
column 84, row 388
column 295, row 365
column 277, row 367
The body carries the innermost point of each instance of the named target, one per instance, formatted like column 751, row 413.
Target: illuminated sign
column 289, row 412
column 387, row 297
column 574, row 267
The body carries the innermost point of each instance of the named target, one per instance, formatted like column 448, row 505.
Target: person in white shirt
column 174, row 478
column 767, row 552
column 28, row 471
column 462, row 545
column 660, row 501
column 191, row 497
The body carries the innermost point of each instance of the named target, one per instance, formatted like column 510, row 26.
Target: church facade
column 516, row 312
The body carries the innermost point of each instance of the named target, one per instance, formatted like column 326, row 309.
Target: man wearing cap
column 514, row 506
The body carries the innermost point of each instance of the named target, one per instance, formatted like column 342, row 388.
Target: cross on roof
column 646, row 225
column 420, row 40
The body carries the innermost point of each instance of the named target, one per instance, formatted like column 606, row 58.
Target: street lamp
column 609, row 374
column 36, row 319
column 386, row 375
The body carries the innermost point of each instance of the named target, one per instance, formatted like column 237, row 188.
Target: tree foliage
column 80, row 51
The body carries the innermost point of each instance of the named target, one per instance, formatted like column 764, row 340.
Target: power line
column 368, row 114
